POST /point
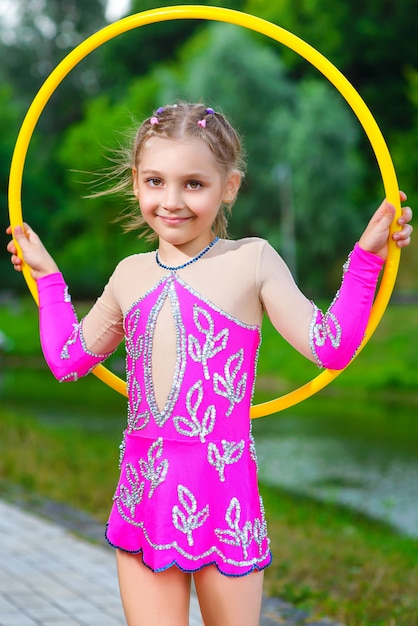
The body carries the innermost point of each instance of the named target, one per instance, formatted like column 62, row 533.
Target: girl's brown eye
column 194, row 184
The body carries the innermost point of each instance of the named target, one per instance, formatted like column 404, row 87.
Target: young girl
column 187, row 501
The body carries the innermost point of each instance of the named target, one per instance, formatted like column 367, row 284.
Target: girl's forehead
column 161, row 152
column 162, row 144
column 159, row 145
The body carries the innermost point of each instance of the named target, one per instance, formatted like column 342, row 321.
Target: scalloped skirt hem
column 240, row 571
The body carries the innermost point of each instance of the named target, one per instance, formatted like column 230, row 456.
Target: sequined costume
column 187, row 493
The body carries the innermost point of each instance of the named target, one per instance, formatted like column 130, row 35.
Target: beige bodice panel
column 244, row 278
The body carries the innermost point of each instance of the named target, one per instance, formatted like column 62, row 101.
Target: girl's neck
column 171, row 256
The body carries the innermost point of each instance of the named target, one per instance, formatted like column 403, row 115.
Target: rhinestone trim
column 174, row 268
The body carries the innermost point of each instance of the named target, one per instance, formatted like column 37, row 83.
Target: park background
column 339, row 472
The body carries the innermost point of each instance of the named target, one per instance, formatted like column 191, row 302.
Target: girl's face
column 180, row 189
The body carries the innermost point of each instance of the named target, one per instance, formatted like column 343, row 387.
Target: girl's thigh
column 149, row 598
column 229, row 601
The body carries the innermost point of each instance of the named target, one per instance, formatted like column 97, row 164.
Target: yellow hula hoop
column 282, row 36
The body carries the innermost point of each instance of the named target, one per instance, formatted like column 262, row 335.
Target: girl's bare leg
column 152, row 599
column 228, row 601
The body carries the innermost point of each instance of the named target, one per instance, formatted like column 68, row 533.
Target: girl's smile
column 172, row 220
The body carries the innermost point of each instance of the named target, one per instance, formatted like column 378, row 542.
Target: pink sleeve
column 335, row 337
column 61, row 335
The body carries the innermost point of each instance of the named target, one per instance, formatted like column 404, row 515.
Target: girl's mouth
column 173, row 221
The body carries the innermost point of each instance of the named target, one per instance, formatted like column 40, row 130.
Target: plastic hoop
column 284, row 37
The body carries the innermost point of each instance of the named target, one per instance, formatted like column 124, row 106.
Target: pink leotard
column 187, row 493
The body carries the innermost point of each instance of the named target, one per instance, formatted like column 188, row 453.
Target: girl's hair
column 177, row 121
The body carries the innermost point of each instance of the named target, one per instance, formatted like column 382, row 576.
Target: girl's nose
column 172, row 200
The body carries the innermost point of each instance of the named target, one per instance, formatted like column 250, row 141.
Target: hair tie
column 160, row 110
column 210, row 111
column 202, row 123
column 154, row 120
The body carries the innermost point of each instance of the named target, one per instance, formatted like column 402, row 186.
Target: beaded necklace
column 193, row 260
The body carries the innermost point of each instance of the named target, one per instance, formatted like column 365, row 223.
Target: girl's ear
column 135, row 181
column 233, row 183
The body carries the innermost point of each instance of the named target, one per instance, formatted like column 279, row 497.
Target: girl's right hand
column 32, row 252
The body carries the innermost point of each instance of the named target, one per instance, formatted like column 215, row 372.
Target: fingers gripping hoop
column 282, row 36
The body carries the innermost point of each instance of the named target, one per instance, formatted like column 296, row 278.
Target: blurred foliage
column 139, row 51
column 372, row 43
column 84, row 231
column 45, row 32
column 311, row 172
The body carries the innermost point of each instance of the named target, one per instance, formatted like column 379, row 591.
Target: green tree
column 373, row 43
column 84, row 232
column 137, row 52
column 405, row 153
column 9, row 119
column 43, row 32
column 321, row 143
column 405, row 158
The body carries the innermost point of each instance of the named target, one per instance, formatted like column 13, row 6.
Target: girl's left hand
column 375, row 238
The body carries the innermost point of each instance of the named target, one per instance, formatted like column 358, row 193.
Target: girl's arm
column 65, row 348
column 335, row 336
column 69, row 352
column 331, row 339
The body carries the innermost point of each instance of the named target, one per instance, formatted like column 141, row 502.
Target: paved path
column 50, row 577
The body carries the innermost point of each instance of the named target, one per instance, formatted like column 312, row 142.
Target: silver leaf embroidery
column 232, row 452
column 136, row 420
column 67, row 297
column 194, row 427
column 260, row 529
column 188, row 519
column 131, row 497
column 322, row 330
column 70, row 341
column 253, row 451
column 236, row 536
column 213, row 343
column 225, row 385
column 134, row 345
column 151, row 470
column 122, row 449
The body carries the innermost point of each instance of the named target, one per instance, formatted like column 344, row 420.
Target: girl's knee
column 152, row 598
column 229, row 601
